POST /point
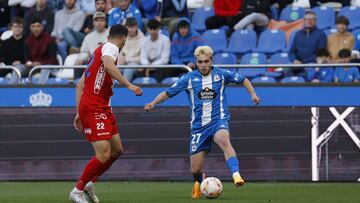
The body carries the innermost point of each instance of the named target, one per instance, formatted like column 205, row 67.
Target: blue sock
column 198, row 177
column 233, row 164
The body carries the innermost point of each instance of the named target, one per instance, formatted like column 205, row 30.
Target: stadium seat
column 290, row 41
column 290, row 13
column 144, row 80
column 325, row 17
column 330, row 31
column 271, row 41
column 263, row 79
column 216, row 39
column 4, row 81
column 170, row 80
column 225, row 58
column 69, row 61
column 353, row 14
column 242, row 41
column 293, row 79
column 356, row 34
column 199, row 17
column 278, row 58
column 57, row 81
column 252, row 58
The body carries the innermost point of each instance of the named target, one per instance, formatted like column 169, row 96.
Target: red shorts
column 100, row 125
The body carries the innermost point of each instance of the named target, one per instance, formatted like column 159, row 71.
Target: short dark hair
column 131, row 21
column 183, row 23
column 342, row 20
column 323, row 52
column 35, row 19
column 343, row 53
column 100, row 0
column 17, row 20
column 118, row 31
column 153, row 24
column 310, row 13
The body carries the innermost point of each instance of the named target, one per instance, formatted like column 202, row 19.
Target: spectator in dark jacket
column 169, row 12
column 40, row 49
column 46, row 15
column 307, row 42
column 183, row 45
column 254, row 13
column 11, row 50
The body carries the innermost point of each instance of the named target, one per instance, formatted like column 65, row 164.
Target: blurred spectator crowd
column 161, row 32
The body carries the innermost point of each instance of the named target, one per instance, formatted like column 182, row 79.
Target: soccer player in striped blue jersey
column 205, row 88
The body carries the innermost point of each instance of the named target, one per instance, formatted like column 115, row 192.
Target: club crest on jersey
column 207, row 94
column 99, row 80
column 216, row 77
column 193, row 147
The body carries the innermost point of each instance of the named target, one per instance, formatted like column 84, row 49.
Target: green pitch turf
column 46, row 192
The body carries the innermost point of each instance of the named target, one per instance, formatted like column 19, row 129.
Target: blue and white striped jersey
column 206, row 94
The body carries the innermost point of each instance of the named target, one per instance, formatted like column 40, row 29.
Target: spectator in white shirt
column 155, row 50
column 130, row 53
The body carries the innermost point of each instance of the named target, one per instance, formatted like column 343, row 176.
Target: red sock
column 92, row 168
column 105, row 167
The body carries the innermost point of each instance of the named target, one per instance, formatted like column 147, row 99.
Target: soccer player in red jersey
column 94, row 115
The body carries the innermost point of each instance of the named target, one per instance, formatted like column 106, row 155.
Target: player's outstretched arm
column 116, row 74
column 251, row 91
column 79, row 90
column 163, row 96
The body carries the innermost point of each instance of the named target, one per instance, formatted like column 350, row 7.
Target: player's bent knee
column 103, row 157
column 116, row 153
column 224, row 142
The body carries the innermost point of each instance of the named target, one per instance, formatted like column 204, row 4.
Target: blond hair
column 203, row 50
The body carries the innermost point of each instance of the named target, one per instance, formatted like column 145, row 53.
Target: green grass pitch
column 45, row 192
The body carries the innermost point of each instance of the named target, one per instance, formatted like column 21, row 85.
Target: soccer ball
column 211, row 187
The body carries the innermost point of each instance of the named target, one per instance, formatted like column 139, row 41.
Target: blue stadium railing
column 14, row 69
column 186, row 67
column 119, row 66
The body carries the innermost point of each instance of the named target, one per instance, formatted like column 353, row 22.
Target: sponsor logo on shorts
column 207, row 94
column 104, row 133
column 100, row 116
column 87, row 130
column 99, row 80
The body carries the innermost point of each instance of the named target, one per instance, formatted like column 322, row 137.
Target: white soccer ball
column 211, row 187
